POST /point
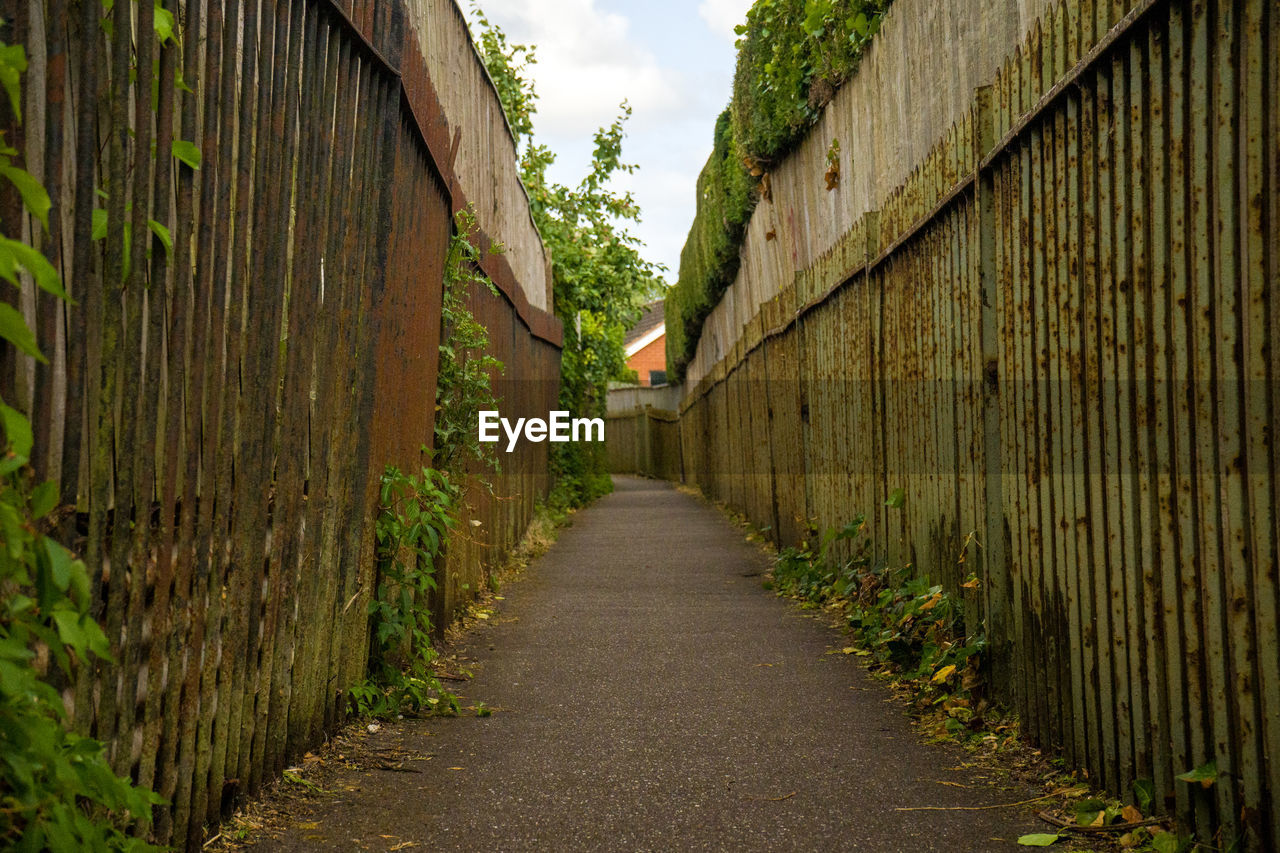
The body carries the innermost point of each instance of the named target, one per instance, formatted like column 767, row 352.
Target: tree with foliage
column 599, row 279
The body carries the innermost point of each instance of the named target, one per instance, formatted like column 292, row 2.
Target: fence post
column 995, row 569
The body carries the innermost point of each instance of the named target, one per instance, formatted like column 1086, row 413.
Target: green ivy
column 792, row 56
column 418, row 511
column 57, row 789
column 709, row 260
column 463, row 384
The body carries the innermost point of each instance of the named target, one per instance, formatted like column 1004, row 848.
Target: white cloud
column 723, row 15
column 588, row 62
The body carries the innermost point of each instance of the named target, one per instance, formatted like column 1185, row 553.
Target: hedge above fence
column 792, row 57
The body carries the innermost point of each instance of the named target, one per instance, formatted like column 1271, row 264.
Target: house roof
column 651, row 318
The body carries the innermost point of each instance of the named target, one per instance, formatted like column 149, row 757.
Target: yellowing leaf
column 943, row 674
column 848, row 650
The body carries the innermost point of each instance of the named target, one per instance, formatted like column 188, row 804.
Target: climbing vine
column 57, row 789
column 419, row 511
column 463, row 384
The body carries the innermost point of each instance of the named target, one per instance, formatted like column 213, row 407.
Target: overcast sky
column 671, row 59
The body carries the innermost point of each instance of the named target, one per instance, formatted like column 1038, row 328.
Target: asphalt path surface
column 649, row 694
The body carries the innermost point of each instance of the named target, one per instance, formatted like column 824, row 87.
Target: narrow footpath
column 650, row 695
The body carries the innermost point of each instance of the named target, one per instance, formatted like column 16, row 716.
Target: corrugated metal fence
column 1059, row 335
column 220, row 412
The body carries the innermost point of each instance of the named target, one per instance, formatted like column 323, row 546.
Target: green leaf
column 897, row 499
column 17, row 430
column 14, row 329
column 98, row 643
column 79, row 586
column 163, row 233
column 34, row 195
column 163, row 24
column 1039, row 839
column 1144, row 794
column 99, row 224
column 60, row 563
column 70, row 630
column 15, row 537
column 1165, row 842
column 187, row 152
column 44, row 498
column 13, row 62
column 1206, row 774
column 46, row 277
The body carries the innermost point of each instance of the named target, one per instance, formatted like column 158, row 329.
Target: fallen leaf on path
column 1039, row 839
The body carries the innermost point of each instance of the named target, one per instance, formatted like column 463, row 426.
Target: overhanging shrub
column 792, row 56
column 709, row 260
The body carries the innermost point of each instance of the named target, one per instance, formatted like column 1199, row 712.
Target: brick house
column 646, row 346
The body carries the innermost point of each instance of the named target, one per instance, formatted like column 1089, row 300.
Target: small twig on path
column 972, row 808
column 205, row 846
column 1093, row 830
column 769, row 799
column 444, row 676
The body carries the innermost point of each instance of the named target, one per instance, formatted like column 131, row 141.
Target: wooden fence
column 644, row 441
column 1057, row 335
column 220, row 403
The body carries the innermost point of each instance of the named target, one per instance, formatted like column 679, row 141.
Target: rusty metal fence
column 1059, row 336
column 254, row 340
